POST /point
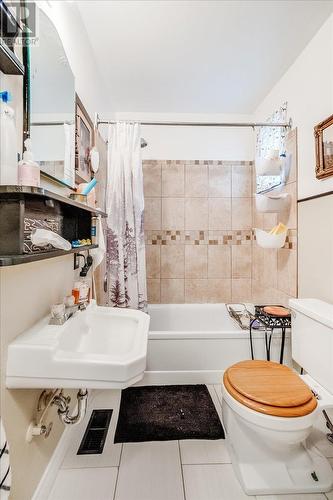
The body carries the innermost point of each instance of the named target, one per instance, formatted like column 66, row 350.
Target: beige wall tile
column 172, row 291
column 291, row 148
column 289, row 216
column 196, row 261
column 287, row 271
column 241, row 261
column 154, row 291
column 173, row 180
column 196, row 290
column 172, row 261
column 196, row 181
column 152, row 180
column 219, row 181
column 241, row 181
column 219, row 213
column 270, row 268
column 257, row 262
column 258, row 217
column 219, row 290
column 241, row 290
column 264, row 295
column 196, row 213
column 152, row 213
column 241, row 213
column 219, row 261
column 173, row 216
column 153, row 261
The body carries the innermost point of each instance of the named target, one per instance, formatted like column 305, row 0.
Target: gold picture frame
column 84, row 141
column 323, row 133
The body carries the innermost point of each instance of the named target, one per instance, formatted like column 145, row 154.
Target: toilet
column 269, row 409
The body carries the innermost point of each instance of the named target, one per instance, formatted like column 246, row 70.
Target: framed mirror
column 324, row 148
column 52, row 105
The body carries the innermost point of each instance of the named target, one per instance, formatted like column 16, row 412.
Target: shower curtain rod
column 203, row 124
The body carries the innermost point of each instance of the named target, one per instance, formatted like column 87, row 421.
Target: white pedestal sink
column 99, row 348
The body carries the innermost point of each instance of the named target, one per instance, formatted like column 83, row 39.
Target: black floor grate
column 97, row 429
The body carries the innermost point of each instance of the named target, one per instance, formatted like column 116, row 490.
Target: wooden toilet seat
column 270, row 388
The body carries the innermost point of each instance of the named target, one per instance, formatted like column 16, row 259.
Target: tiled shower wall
column 274, row 272
column 199, row 217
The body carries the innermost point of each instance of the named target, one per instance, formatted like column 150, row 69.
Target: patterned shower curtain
column 126, row 266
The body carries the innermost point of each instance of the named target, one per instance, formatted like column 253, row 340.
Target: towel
column 98, row 253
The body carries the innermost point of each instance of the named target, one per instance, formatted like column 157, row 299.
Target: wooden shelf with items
column 23, row 209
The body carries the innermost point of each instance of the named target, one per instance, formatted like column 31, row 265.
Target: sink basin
column 99, row 348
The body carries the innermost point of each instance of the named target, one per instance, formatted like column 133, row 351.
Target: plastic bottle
column 28, row 169
column 8, row 141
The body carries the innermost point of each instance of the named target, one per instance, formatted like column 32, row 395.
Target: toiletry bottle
column 94, row 230
column 28, row 169
column 76, row 292
column 8, row 141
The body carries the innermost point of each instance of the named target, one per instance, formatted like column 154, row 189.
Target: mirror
column 52, row 101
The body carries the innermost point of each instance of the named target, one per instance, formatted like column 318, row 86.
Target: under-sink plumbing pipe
column 63, row 407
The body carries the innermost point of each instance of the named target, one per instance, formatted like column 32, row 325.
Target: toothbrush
column 86, row 190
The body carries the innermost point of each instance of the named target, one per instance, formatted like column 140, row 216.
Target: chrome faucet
column 61, row 315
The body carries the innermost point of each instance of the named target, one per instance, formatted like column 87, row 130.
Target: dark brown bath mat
column 167, row 412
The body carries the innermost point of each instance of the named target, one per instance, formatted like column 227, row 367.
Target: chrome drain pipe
column 63, row 407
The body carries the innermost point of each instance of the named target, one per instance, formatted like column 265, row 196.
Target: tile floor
column 170, row 470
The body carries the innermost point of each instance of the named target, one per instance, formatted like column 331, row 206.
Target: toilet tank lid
column 313, row 308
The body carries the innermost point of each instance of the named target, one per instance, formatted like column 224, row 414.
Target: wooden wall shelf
column 14, row 260
column 23, row 209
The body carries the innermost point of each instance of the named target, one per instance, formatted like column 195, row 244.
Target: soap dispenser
column 28, row 169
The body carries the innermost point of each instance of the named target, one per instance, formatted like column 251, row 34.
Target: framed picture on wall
column 324, row 148
column 84, row 141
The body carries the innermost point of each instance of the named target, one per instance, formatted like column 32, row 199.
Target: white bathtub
column 195, row 343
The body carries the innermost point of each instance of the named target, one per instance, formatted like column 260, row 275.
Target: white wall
column 193, row 143
column 308, row 88
column 27, row 291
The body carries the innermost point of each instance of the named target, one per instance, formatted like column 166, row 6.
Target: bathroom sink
column 99, row 348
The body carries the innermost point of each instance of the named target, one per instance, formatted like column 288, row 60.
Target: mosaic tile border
column 210, row 237
column 199, row 237
column 223, row 163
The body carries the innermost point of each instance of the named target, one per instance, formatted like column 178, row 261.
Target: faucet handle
column 58, row 311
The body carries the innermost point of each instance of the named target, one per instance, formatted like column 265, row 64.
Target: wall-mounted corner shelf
column 23, row 209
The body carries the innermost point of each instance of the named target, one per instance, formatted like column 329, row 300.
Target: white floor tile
column 215, row 399
column 150, row 471
column 329, row 495
column 212, row 482
column 111, row 452
column 218, row 389
column 301, row 496
column 85, row 484
column 319, row 439
column 197, row 451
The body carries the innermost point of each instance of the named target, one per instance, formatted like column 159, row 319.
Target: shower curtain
column 126, row 266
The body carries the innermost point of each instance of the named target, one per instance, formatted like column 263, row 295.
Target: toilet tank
column 312, row 339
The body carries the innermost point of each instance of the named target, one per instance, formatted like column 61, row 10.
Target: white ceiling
column 197, row 56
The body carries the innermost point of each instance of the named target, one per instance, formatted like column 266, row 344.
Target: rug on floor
column 167, row 412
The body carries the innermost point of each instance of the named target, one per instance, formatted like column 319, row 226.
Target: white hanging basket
column 266, row 240
column 269, row 165
column 270, row 202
